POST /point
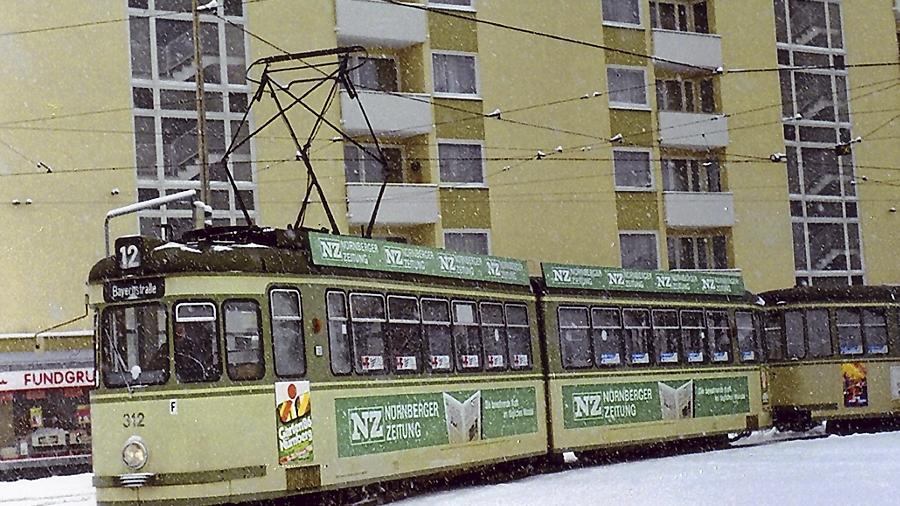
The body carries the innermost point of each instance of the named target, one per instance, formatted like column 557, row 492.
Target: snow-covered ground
column 859, row 469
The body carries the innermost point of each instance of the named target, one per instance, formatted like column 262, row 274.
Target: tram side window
column 404, row 333
column 637, row 335
column 849, row 328
column 135, row 345
column 793, row 332
column 719, row 336
column 493, row 335
column 243, row 345
column 467, row 336
column 692, row 336
column 367, row 321
column 607, row 336
column 338, row 337
column 196, row 342
column 774, row 336
column 746, row 336
column 287, row 333
column 875, row 331
column 519, row 335
column 665, row 335
column 436, row 324
column 818, row 333
column 573, row 337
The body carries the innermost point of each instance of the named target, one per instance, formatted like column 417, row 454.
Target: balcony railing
column 699, row 210
column 692, row 130
column 391, row 114
column 401, row 204
column 690, row 48
column 374, row 23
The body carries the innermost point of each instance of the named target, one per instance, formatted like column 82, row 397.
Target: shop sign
column 378, row 424
column 360, row 253
column 134, row 290
column 47, row 378
column 294, row 422
column 595, row 405
column 612, row 279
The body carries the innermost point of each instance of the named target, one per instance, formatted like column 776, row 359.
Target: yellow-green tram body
column 276, row 420
column 635, row 357
column 834, row 354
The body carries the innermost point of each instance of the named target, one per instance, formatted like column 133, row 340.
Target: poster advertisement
column 895, row 382
column 36, row 417
column 368, row 425
column 856, row 390
column 294, row 422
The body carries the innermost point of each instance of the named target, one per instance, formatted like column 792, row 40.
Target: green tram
column 635, row 357
column 244, row 365
column 834, row 354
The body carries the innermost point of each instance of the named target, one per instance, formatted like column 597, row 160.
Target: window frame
column 302, row 337
column 622, row 24
column 451, row 362
column 107, row 358
column 450, row 94
column 261, row 354
column 639, row 232
column 483, row 231
column 646, row 106
column 458, row 357
column 587, row 337
column 651, row 185
column 359, row 367
column 437, row 4
column 648, row 341
column 704, row 337
column 394, row 366
column 597, row 331
column 756, row 356
column 463, row 184
column 729, row 334
column 346, row 335
column 356, row 62
column 673, row 333
column 493, row 326
column 217, row 348
column 514, row 363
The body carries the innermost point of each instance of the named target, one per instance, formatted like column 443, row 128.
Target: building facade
column 756, row 136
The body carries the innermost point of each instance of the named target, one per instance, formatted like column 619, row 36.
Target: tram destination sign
column 360, row 253
column 611, row 279
column 127, row 290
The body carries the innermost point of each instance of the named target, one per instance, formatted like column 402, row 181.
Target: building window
column 453, row 3
column 681, row 175
column 361, row 167
column 684, row 95
column 680, row 16
column 627, row 12
column 627, row 87
column 467, row 241
column 165, row 118
column 639, row 250
column 697, row 252
column 461, row 163
column 375, row 73
column 632, row 169
column 455, row 74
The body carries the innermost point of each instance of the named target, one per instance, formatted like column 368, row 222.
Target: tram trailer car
column 282, row 362
column 636, row 357
column 834, row 355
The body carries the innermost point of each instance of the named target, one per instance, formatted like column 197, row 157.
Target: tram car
column 834, row 355
column 636, row 357
column 246, row 364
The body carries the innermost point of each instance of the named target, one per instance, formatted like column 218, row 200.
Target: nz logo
column 493, row 268
column 366, row 426
column 562, row 275
column 448, row 264
column 709, row 284
column 615, row 278
column 664, row 282
column 587, row 406
column 393, row 256
column 332, row 250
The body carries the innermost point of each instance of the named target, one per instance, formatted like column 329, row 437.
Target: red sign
column 47, row 378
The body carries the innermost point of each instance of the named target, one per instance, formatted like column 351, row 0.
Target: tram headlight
column 134, row 453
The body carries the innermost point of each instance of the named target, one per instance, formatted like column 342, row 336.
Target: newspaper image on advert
column 294, row 422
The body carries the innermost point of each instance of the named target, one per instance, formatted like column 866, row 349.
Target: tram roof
column 803, row 294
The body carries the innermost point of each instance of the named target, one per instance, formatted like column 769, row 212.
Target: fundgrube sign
column 360, row 253
column 48, row 378
column 611, row 279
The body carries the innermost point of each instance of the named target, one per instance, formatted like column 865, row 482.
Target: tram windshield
column 135, row 345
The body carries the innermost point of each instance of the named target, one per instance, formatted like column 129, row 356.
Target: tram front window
column 196, row 343
column 135, row 345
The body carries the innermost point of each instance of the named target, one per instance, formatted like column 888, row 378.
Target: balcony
column 692, row 130
column 699, row 210
column 391, row 114
column 692, row 49
column 402, row 203
column 373, row 23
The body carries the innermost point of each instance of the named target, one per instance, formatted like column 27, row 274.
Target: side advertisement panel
column 648, row 401
column 294, row 422
column 367, row 425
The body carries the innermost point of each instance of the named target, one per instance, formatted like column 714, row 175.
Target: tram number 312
column 133, row 420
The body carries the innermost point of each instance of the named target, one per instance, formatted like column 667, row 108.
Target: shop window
column 461, row 163
column 875, row 331
column 243, row 341
column 607, row 336
column 287, row 333
column 627, row 87
column 455, row 74
column 637, row 335
column 622, row 11
column 774, row 333
column 338, row 335
column 436, row 325
column 793, row 333
column 519, row 334
column 746, row 336
column 574, row 345
column 665, row 336
column 135, row 345
column 404, row 334
column 196, row 342
column 367, row 321
column 493, row 335
column 55, row 423
column 692, row 336
column 467, row 336
column 849, row 327
column 719, row 336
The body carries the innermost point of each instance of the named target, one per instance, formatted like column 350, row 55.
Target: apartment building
column 713, row 135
